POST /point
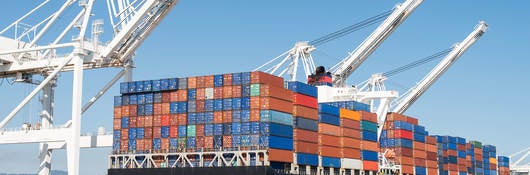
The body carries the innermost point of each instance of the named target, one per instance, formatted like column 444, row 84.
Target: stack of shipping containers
column 503, row 163
column 258, row 111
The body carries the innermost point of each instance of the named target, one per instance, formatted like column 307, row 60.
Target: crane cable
column 417, row 63
column 350, row 29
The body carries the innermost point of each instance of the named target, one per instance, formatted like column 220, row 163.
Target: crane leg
column 47, row 122
column 72, row 146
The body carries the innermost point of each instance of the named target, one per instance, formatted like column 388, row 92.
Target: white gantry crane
column 520, row 166
column 50, row 47
column 301, row 52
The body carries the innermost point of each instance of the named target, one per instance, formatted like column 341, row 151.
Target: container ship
column 257, row 123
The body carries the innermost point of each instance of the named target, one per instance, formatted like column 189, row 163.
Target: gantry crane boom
column 403, row 103
column 348, row 65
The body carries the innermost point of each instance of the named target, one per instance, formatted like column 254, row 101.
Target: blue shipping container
column 173, row 84
column 403, row 125
column 117, row 101
column 208, row 130
column 307, row 124
column 165, row 132
column 157, row 143
column 302, row 88
column 218, row 80
column 276, row 142
column 277, row 130
column 369, row 155
column 276, row 117
column 307, row 159
column 328, row 109
column 182, row 131
column 420, row 170
column 124, row 87
column 330, row 162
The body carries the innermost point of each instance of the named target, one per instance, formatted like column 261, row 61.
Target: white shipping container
column 351, row 163
column 208, row 93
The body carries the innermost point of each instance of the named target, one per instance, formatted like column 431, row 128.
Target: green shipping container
column 368, row 126
column 477, row 144
column 191, row 132
column 254, row 90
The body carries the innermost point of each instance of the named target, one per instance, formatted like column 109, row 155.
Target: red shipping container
column 116, row 124
column 452, row 167
column 200, row 94
column 117, row 112
column 208, row 81
column 305, row 112
column 192, row 82
column 264, row 78
column 407, row 169
column 432, row 155
column 461, row 147
column 157, row 108
column 124, row 134
column 164, row 120
column 236, row 91
column 148, row 132
column 461, row 161
column 217, row 117
column 329, row 140
column 254, row 103
column 164, row 143
column 419, row 154
column 199, row 106
column 452, row 153
column 349, row 123
column 405, row 152
column 254, row 115
column 464, row 168
column 328, row 129
column 227, row 141
column 305, row 147
column 133, row 110
column 351, row 153
column 431, row 148
column 157, row 132
column 278, row 92
column 200, row 81
column 369, row 145
column 227, row 91
column 199, row 142
column 140, row 121
column 403, row 134
column 199, row 130
column 157, row 120
column 148, row 144
column 173, row 119
column 305, row 135
column 166, row 97
column 304, row 100
column 368, row 116
column 396, row 117
column 370, row 165
column 276, row 104
column 227, row 79
column 173, row 131
column 208, row 142
column 351, row 142
column 412, row 120
column 278, row 155
column 132, row 122
column 182, row 119
column 419, row 162
column 351, row 133
column 124, row 145
column 227, row 116
column 432, row 170
column 405, row 160
column 430, row 140
column 182, row 95
column 329, row 151
column 218, row 92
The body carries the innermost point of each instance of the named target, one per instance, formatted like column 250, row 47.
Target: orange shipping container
column 199, row 143
column 264, row 78
column 431, row 163
column 430, row 140
column 329, row 140
column 278, row 92
column 140, row 121
column 227, row 91
column 276, row 104
column 370, row 165
column 418, row 145
column 349, row 114
column 405, row 160
column 200, row 94
column 278, row 155
column 164, row 143
column 192, row 82
column 351, row 153
column 227, row 79
column 116, row 124
column 157, row 120
column 140, row 144
column 329, row 151
column 148, row 132
column 218, row 92
column 432, row 171
column 464, row 168
column 305, row 147
column 351, row 133
column 208, row 142
column 407, row 169
column 227, row 141
column 412, row 120
column 200, row 83
column 157, row 108
column 173, row 131
column 164, row 120
column 133, row 109
column 328, row 129
column 124, row 145
column 227, row 116
column 208, row 81
column 199, row 130
column 173, row 119
column 452, row 167
column 148, row 121
column 254, row 103
column 351, row 142
column 419, row 162
column 165, row 108
column 174, row 96
column 117, row 112
column 124, row 134
column 182, row 95
column 254, row 115
column 218, row 117
column 369, row 145
column 431, row 148
column 305, row 112
column 157, row 131
column 182, row 119
column 132, row 122
column 125, row 111
column 305, row 135
column 236, row 91
column 419, row 154
column 199, row 106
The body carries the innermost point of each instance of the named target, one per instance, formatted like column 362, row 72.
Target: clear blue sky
column 482, row 97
